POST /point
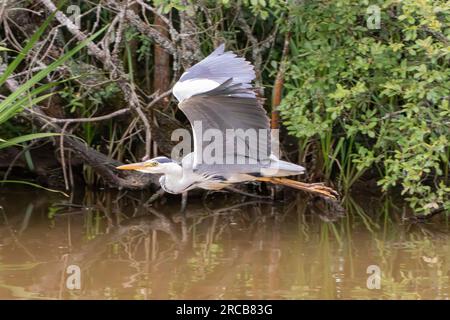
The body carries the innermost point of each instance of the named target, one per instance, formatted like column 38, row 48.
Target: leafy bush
column 385, row 89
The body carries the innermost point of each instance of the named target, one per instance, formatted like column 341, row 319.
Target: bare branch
column 93, row 119
column 63, row 19
column 145, row 29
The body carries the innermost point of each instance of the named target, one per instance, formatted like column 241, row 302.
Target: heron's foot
column 321, row 189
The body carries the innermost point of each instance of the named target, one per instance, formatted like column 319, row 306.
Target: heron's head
column 155, row 165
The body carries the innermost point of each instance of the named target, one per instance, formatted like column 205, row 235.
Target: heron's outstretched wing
column 230, row 120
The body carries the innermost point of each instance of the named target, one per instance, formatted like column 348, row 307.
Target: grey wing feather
column 220, row 66
column 230, row 106
column 218, row 51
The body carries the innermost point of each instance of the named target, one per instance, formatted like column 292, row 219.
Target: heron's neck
column 172, row 180
column 172, row 170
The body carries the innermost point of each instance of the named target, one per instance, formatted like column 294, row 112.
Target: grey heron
column 217, row 93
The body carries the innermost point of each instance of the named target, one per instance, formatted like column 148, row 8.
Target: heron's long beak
column 132, row 166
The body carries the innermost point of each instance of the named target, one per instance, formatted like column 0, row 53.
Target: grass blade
column 27, row 137
column 33, row 185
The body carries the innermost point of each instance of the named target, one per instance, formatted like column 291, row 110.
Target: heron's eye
column 151, row 164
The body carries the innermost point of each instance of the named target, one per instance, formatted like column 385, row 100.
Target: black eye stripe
column 162, row 160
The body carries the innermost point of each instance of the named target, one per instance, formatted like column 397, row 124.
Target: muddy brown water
column 115, row 246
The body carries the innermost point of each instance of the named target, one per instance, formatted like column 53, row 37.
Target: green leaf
column 10, row 110
column 13, row 65
column 24, row 138
column 43, row 73
column 33, row 185
column 6, row 49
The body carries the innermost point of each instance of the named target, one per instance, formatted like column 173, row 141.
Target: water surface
column 221, row 247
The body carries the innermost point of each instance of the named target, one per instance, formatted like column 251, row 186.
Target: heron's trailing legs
column 315, row 188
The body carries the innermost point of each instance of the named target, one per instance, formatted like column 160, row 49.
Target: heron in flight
column 217, row 94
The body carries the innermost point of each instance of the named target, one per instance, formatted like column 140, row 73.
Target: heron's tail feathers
column 280, row 168
column 315, row 188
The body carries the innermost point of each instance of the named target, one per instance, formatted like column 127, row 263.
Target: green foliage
column 167, row 5
column 24, row 138
column 34, row 185
column 386, row 90
column 32, row 92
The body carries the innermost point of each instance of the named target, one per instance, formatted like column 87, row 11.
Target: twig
column 63, row 159
column 136, row 21
column 159, row 98
column 93, row 119
column 63, row 19
column 172, row 31
column 438, row 35
column 258, row 48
